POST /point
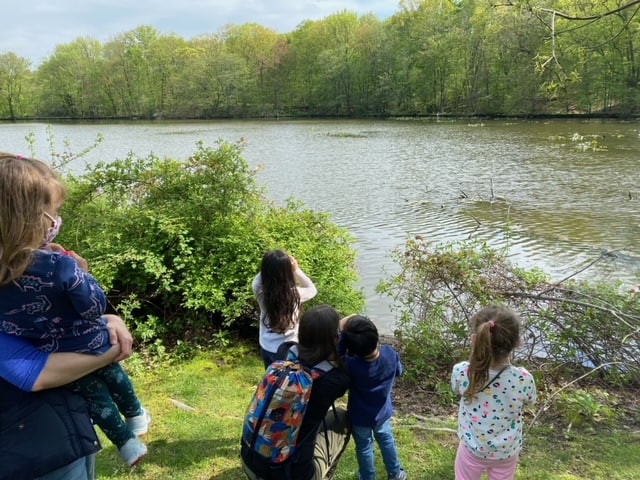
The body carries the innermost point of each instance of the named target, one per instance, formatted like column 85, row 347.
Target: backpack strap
column 292, row 353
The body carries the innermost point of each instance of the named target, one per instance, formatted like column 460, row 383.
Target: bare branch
column 566, row 16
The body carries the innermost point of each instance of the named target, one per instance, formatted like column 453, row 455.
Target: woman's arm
column 65, row 367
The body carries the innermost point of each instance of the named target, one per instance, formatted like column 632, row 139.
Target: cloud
column 33, row 28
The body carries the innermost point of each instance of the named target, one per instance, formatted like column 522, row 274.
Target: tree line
column 432, row 57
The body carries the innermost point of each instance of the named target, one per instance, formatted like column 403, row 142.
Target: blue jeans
column 81, row 469
column 363, row 436
column 268, row 357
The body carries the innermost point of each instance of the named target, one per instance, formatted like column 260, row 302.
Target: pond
column 568, row 190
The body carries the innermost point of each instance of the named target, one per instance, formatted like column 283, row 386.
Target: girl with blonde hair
column 493, row 394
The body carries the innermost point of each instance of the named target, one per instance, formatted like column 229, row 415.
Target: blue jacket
column 370, row 387
column 56, row 306
column 39, row 432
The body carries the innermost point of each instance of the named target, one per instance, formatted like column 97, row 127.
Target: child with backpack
column 372, row 370
column 292, row 429
column 493, row 395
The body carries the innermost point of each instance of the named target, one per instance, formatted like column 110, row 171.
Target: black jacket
column 41, row 432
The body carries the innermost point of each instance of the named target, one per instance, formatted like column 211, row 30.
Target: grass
column 198, row 407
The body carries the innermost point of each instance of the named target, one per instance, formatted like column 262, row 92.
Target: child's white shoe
column 401, row 475
column 139, row 424
column 132, row 452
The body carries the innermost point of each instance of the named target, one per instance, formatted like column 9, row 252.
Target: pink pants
column 470, row 467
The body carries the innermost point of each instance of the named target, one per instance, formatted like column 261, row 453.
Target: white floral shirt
column 491, row 424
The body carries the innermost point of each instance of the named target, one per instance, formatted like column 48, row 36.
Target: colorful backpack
column 274, row 417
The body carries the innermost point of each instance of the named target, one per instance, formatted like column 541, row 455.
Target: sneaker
column 139, row 424
column 401, row 475
column 132, row 452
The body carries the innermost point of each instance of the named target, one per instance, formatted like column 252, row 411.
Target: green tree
column 262, row 52
column 129, row 82
column 501, row 73
column 167, row 59
column 70, row 81
column 430, row 68
column 15, row 75
column 215, row 78
column 590, row 57
column 306, row 44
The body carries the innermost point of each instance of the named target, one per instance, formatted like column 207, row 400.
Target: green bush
column 593, row 327
column 176, row 244
column 436, row 292
column 581, row 408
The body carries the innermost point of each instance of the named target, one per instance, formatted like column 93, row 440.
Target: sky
column 33, row 28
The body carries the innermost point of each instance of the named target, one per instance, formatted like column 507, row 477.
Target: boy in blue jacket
column 372, row 369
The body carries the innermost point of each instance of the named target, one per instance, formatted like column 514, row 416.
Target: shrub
column 582, row 408
column 176, row 244
column 593, row 327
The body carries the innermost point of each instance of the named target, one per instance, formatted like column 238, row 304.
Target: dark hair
column 360, row 336
column 318, row 335
column 497, row 331
column 281, row 297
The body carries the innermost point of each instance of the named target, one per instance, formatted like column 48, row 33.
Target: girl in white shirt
column 494, row 394
column 280, row 289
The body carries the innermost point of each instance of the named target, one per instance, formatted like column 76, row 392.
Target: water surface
column 569, row 190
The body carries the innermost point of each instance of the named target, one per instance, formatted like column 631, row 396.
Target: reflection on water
column 568, row 191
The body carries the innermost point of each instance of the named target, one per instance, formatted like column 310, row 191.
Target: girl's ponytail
column 479, row 360
column 497, row 333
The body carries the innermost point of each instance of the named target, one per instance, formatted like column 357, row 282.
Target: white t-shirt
column 491, row 424
column 269, row 340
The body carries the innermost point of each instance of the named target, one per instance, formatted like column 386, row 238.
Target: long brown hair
column 26, row 191
column 281, row 297
column 497, row 333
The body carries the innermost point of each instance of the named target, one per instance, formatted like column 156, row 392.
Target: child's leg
column 121, row 389
column 364, row 452
column 467, row 465
column 386, row 442
column 503, row 469
column 102, row 409
column 470, row 467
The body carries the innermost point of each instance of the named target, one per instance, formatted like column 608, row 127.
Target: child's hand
column 294, row 263
column 56, row 247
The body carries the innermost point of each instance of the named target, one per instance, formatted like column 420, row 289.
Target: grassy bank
column 198, row 407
